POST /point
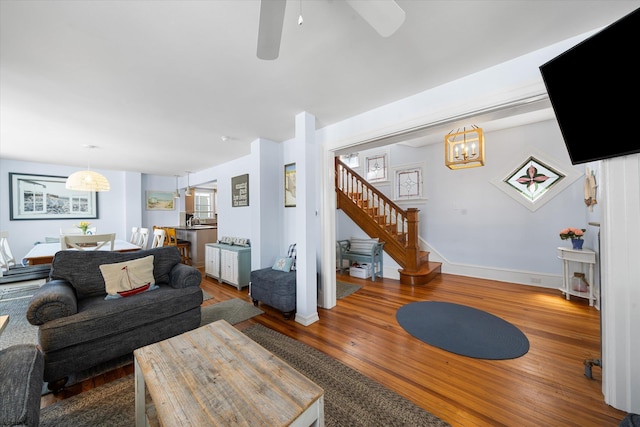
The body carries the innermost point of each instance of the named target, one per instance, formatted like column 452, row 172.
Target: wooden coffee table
column 216, row 375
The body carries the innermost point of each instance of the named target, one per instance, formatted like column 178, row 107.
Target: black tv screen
column 594, row 89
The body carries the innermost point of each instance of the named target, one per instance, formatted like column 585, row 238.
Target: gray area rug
column 233, row 311
column 345, row 289
column 462, row 330
column 350, row 399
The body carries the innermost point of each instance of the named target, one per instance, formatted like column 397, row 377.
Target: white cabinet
column 574, row 261
column 212, row 261
column 229, row 264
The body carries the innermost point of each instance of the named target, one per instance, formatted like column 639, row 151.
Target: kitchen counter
column 198, row 235
column 196, row 227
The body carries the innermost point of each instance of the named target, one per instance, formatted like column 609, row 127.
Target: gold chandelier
column 465, row 152
column 87, row 180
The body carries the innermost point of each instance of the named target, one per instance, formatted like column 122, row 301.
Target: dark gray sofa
column 79, row 329
column 21, row 368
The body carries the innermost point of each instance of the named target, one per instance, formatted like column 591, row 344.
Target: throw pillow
column 123, row 279
column 362, row 246
column 283, row 264
column 293, row 254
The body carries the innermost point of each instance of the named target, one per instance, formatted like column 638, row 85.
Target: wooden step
column 426, row 273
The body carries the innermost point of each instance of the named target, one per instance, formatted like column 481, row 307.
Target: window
column 204, row 204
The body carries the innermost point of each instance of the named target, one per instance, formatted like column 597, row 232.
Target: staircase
column 379, row 217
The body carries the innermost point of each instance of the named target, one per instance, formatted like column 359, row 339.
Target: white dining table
column 43, row 253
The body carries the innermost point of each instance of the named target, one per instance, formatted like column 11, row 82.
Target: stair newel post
column 413, row 249
column 339, row 179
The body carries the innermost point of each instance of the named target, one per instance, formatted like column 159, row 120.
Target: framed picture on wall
column 240, row 191
column 160, row 201
column 35, row 197
column 290, row 185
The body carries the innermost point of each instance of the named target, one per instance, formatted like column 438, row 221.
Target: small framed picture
column 160, row 201
column 290, row 185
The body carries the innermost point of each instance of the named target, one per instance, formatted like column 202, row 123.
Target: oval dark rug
column 462, row 330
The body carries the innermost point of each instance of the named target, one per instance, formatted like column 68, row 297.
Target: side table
column 583, row 257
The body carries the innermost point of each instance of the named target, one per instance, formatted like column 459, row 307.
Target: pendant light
column 176, row 194
column 87, row 180
column 467, row 152
column 188, row 190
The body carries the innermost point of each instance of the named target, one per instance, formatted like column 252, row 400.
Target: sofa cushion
column 128, row 278
column 82, row 268
column 283, row 263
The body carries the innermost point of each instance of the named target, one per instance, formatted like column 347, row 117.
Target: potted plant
column 84, row 226
column 575, row 234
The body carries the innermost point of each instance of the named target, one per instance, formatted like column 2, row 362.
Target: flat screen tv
column 594, row 89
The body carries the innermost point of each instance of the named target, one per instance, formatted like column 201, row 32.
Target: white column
column 619, row 192
column 307, row 222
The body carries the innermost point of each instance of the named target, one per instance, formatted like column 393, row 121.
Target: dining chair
column 6, row 256
column 184, row 246
column 144, row 237
column 135, row 236
column 87, row 242
column 158, row 237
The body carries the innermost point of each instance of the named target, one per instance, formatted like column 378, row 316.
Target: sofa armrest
column 183, row 276
column 54, row 300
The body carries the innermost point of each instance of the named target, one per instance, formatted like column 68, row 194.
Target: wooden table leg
column 141, row 418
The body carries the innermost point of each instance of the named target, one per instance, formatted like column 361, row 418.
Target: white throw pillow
column 362, row 246
column 123, row 279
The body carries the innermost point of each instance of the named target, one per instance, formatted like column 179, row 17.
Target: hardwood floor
column 545, row 387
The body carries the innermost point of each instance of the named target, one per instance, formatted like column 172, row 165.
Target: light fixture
column 188, row 190
column 176, row 194
column 467, row 151
column 300, row 19
column 87, row 180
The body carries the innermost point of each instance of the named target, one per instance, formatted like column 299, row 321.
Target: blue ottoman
column 274, row 288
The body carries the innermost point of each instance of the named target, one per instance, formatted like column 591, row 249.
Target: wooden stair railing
column 380, row 217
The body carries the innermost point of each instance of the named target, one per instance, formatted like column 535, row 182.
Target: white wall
column 458, row 219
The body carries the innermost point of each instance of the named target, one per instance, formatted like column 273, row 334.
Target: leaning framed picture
column 290, row 185
column 160, row 201
column 38, row 197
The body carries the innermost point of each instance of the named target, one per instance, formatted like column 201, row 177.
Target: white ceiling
column 155, row 85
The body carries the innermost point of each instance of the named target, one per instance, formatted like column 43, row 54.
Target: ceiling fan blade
column 385, row 16
column 270, row 28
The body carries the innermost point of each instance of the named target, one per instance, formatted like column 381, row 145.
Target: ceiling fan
column 385, row 16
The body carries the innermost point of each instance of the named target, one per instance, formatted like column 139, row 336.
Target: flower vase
column 577, row 243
